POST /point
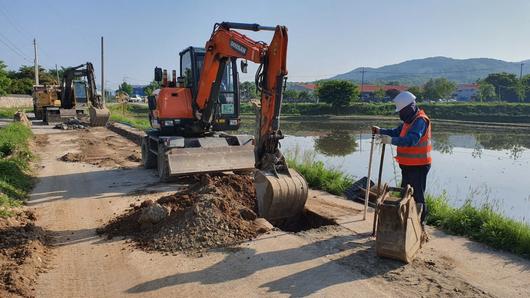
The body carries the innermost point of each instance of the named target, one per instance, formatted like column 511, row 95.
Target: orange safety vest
column 421, row 153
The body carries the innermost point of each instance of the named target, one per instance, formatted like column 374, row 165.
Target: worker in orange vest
column 413, row 140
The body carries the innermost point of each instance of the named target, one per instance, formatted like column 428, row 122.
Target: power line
column 14, row 49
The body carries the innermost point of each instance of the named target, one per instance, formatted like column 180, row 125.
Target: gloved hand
column 385, row 139
column 376, row 130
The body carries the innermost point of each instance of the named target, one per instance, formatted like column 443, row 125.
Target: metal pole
column 57, row 74
column 36, row 62
column 367, row 196
column 362, row 85
column 102, row 75
column 521, row 73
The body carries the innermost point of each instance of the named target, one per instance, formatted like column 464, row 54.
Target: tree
column 304, row 96
column 416, row 90
column 506, row 84
column 290, row 94
column 439, row 88
column 526, row 86
column 124, row 87
column 248, row 90
column 148, row 90
column 337, row 93
column 486, row 91
column 5, row 81
column 379, row 93
column 21, row 86
column 392, row 93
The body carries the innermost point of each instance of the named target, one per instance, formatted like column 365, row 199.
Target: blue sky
column 325, row 37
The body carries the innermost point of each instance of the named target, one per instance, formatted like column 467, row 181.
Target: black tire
column 148, row 158
column 162, row 166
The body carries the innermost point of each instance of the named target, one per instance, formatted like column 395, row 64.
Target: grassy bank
column 482, row 224
column 317, row 175
column 15, row 181
column 10, row 112
column 488, row 112
column 132, row 114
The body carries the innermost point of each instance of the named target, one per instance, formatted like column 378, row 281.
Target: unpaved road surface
column 73, row 199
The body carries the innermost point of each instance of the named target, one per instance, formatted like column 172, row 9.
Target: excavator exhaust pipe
column 280, row 197
column 98, row 117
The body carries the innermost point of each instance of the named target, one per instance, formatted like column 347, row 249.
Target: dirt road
column 72, row 199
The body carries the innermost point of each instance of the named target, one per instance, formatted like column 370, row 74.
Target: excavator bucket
column 98, row 117
column 184, row 161
column 280, row 197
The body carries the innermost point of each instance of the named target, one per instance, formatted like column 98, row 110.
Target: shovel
column 380, row 191
column 367, row 196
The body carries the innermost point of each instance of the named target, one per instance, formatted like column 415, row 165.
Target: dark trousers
column 416, row 176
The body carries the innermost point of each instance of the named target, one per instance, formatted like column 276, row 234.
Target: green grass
column 10, row 112
column 482, row 224
column 133, row 114
column 317, row 175
column 15, row 156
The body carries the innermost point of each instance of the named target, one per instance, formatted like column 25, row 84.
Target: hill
column 419, row 71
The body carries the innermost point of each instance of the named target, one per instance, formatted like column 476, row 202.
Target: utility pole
column 102, row 75
column 57, row 74
column 521, row 73
column 36, row 62
column 362, row 84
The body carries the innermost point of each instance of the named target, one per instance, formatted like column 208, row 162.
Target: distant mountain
column 419, row 71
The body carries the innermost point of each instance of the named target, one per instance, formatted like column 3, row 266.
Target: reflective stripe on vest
column 419, row 154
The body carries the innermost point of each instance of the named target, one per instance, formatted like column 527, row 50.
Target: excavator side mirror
column 158, row 74
column 244, row 66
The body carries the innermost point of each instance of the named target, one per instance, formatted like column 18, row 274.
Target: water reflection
column 336, row 143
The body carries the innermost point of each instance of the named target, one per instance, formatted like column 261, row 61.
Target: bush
column 481, row 224
column 15, row 182
column 317, row 175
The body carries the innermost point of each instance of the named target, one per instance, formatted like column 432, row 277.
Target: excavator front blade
column 280, row 197
column 98, row 117
column 184, row 161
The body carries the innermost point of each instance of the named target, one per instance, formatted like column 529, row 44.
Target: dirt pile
column 22, row 254
column 217, row 211
column 101, row 147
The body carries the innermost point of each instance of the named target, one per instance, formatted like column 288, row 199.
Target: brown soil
column 22, row 254
column 102, row 148
column 217, row 211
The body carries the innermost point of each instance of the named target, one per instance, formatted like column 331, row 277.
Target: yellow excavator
column 72, row 98
column 190, row 116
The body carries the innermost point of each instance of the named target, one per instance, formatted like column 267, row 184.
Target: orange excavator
column 190, row 116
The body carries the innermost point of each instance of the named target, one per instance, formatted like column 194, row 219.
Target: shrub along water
column 482, row 224
column 317, row 175
column 15, row 156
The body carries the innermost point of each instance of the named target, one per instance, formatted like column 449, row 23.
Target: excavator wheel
column 280, row 197
column 162, row 164
column 98, row 117
column 148, row 158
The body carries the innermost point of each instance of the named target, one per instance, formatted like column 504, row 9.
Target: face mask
column 407, row 113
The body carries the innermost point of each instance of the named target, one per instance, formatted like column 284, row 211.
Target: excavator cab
column 226, row 111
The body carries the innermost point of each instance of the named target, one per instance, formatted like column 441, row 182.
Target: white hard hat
column 403, row 99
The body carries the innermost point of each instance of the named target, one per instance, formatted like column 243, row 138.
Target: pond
column 481, row 164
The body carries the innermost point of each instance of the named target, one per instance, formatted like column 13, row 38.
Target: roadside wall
column 16, row 101
column 131, row 133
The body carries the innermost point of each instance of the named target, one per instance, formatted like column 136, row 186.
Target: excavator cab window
column 191, row 61
column 80, row 92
